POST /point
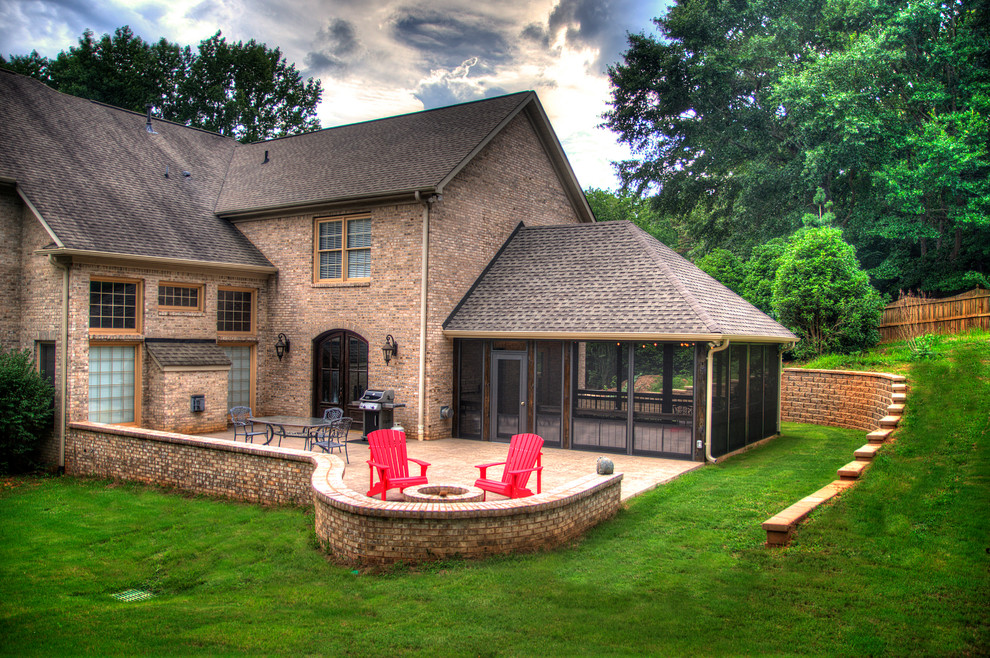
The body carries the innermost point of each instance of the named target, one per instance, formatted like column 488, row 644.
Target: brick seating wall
column 354, row 528
column 838, row 398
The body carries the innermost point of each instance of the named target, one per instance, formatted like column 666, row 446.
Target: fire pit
column 443, row 493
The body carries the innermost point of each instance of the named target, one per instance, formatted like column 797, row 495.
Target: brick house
column 146, row 263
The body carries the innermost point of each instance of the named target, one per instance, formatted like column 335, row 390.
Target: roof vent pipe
column 266, row 158
column 148, row 126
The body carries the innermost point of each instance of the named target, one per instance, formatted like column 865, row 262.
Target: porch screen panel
column 720, row 403
column 111, row 383
column 737, row 397
column 549, row 391
column 755, row 394
column 470, row 388
column 600, row 396
column 239, row 378
column 663, row 398
column 771, row 383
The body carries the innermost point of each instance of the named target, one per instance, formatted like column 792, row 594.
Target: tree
column 824, row 297
column 25, row 410
column 746, row 116
column 759, row 273
column 244, row 90
column 725, row 267
column 610, row 206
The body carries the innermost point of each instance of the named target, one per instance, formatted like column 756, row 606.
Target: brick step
column 853, row 470
column 895, row 410
column 867, row 452
column 899, row 398
column 780, row 527
column 889, row 421
column 899, row 388
column 879, row 436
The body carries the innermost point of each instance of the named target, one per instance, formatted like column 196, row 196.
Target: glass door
column 508, row 395
column 341, row 372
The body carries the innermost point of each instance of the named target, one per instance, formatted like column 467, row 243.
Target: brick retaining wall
column 838, row 398
column 353, row 527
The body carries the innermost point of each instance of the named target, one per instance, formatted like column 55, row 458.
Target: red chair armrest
column 380, row 467
column 526, row 470
column 484, row 468
column 422, row 465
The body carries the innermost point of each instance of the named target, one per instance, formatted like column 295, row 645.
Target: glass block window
column 180, row 298
column 239, row 379
column 343, row 249
column 234, row 311
column 112, row 383
column 113, row 305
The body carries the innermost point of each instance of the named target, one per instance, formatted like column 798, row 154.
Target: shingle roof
column 398, row 154
column 605, row 279
column 97, row 177
column 183, row 353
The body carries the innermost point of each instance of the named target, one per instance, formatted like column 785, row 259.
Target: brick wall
column 354, row 528
column 166, row 399
column 10, row 268
column 838, row 398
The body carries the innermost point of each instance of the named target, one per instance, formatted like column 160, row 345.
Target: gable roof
column 96, row 178
column 609, row 280
column 400, row 155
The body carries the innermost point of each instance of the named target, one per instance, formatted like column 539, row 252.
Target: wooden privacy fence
column 916, row 316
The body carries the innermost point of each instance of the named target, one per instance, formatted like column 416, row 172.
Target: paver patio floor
column 452, row 461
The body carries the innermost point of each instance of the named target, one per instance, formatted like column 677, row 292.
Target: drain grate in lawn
column 132, row 595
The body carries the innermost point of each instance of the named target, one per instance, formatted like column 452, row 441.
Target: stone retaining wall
column 354, row 528
column 838, row 398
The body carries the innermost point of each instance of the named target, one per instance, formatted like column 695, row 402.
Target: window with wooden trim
column 343, row 248
column 235, row 311
column 115, row 306
column 180, row 297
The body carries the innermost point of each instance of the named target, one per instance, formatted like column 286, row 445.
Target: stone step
column 899, row 388
column 867, row 452
column 895, row 410
column 853, row 470
column 780, row 527
column 879, row 436
column 889, row 421
column 898, row 398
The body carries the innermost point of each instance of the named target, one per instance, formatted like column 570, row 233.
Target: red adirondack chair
column 525, row 456
column 389, row 460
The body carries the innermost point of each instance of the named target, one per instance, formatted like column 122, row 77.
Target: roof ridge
column 645, row 238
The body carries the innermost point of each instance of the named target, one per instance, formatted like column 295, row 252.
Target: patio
column 452, row 462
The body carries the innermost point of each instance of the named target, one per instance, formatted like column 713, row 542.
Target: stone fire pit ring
column 443, row 493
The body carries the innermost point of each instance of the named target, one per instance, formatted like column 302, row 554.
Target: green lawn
column 897, row 565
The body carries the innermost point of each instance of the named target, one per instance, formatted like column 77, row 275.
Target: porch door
column 508, row 395
column 341, row 376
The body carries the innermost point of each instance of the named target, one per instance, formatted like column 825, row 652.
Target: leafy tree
column 725, row 267
column 747, row 116
column 25, row 410
column 824, row 297
column 759, row 274
column 610, row 206
column 244, row 90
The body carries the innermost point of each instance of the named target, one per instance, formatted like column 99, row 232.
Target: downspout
column 423, row 290
column 712, row 349
column 63, row 360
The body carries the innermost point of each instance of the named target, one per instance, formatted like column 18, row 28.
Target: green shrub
column 924, row 347
column 25, row 411
column 725, row 267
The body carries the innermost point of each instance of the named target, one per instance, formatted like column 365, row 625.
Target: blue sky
column 382, row 57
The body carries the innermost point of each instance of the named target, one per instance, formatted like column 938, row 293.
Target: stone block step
column 899, row 388
column 780, row 527
column 867, row 452
column 853, row 470
column 895, row 410
column 879, row 436
column 899, row 398
column 889, row 421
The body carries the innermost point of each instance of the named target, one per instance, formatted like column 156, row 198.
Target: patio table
column 304, row 424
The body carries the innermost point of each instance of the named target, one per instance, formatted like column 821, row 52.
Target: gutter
column 712, row 349
column 423, row 290
column 63, row 359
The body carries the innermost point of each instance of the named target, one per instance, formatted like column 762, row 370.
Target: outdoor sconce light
column 282, row 346
column 390, row 348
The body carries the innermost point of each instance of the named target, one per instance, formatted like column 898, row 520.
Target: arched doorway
column 340, row 358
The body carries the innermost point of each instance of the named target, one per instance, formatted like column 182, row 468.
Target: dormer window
column 343, row 249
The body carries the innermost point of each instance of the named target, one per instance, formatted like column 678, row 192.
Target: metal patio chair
column 332, row 436
column 240, row 417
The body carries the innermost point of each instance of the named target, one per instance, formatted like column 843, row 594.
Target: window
column 240, row 377
column 343, row 249
column 113, row 306
column 234, row 311
column 177, row 297
column 113, row 376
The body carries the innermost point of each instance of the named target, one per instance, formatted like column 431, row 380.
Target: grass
column 898, row 565
column 895, row 356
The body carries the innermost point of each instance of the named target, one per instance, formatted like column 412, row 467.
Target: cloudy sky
column 378, row 58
